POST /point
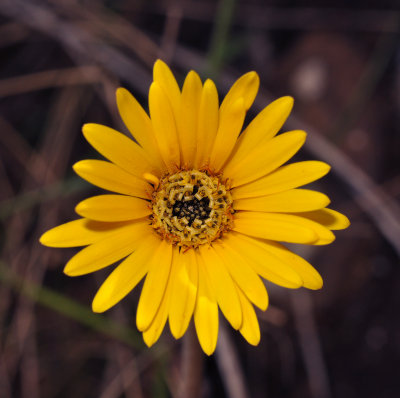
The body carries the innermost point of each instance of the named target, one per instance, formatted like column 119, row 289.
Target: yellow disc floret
column 191, row 208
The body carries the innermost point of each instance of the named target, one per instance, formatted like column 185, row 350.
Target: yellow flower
column 198, row 208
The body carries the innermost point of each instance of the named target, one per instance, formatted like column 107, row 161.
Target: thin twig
column 132, row 370
column 191, row 366
column 229, row 365
column 171, row 29
column 310, row 344
column 49, row 78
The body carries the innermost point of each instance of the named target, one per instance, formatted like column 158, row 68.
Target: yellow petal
column 275, row 226
column 164, row 126
column 154, row 285
column 294, row 200
column 125, row 277
column 250, row 329
column 329, row 218
column 243, row 275
column 265, row 158
column 139, row 124
column 206, row 312
column 223, row 286
column 286, row 177
column 108, row 176
column 245, row 87
column 188, row 118
column 263, row 127
column 310, row 276
column 109, row 250
column 153, row 332
column 164, row 77
column 207, row 123
column 262, row 261
column 118, row 148
column 184, row 292
column 81, row 232
column 113, row 208
column 230, row 124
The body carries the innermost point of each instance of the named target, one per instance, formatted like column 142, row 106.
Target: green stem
column 27, row 200
column 69, row 308
column 219, row 37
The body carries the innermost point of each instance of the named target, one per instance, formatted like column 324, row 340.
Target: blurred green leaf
column 70, row 308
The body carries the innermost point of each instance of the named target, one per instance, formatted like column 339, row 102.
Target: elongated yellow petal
column 139, row 124
column 294, row 200
column 126, row 276
column 154, row 285
column 275, row 226
column 250, row 329
column 207, row 123
column 230, row 124
column 262, row 261
column 263, row 127
column 118, row 148
column 245, row 87
column 286, row 177
column 243, row 275
column 108, row 250
column 164, row 126
column 108, row 176
column 184, row 292
column 153, row 332
column 164, row 77
column 206, row 312
column 81, row 232
column 223, row 286
column 329, row 218
column 113, row 208
column 310, row 276
column 265, row 159
column 188, row 118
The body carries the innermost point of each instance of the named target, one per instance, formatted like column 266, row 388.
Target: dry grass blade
column 310, row 345
column 51, row 78
column 229, row 365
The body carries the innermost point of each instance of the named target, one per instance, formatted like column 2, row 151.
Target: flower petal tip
column 97, row 307
column 254, row 341
column 288, row 99
column 47, row 239
column 346, row 222
column 208, row 350
column 147, row 340
column 42, row 239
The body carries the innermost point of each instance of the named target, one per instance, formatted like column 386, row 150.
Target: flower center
column 191, row 208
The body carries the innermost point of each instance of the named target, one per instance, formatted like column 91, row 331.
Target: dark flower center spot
column 192, row 209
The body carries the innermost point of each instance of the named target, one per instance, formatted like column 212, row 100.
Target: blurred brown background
column 61, row 61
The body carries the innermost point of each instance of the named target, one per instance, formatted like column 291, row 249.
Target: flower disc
column 191, row 208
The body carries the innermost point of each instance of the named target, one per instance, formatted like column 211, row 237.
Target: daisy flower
column 197, row 208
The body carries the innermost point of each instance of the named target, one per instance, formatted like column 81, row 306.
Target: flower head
column 197, row 208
